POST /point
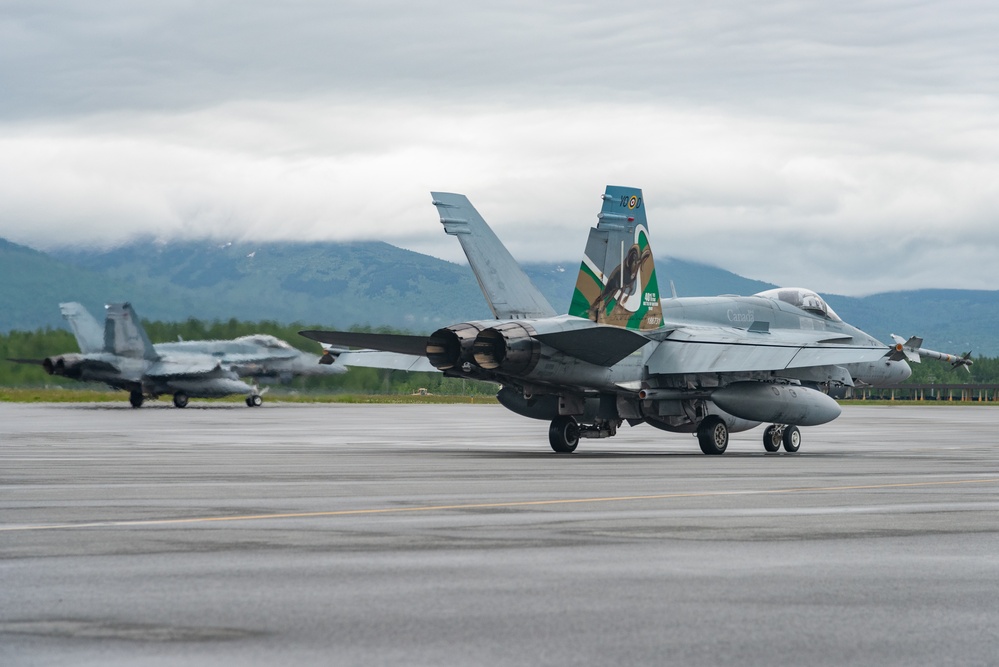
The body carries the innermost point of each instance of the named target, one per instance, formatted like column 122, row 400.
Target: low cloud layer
column 852, row 151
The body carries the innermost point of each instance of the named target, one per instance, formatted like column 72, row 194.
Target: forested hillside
column 339, row 285
column 46, row 342
column 36, row 345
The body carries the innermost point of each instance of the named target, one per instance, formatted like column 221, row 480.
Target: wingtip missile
column 912, row 350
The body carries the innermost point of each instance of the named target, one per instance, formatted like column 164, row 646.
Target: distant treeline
column 46, row 342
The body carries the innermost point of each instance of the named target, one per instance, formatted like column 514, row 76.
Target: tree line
column 46, row 342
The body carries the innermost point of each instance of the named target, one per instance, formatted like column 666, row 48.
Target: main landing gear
column 563, row 434
column 712, row 435
column 135, row 398
column 180, row 399
column 254, row 401
column 781, row 434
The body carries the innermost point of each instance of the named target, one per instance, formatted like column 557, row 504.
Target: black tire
column 712, row 435
column 771, row 441
column 135, row 398
column 180, row 399
column 563, row 435
column 255, row 401
column 792, row 439
column 249, row 402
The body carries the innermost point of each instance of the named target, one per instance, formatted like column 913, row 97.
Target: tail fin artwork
column 510, row 293
column 123, row 335
column 617, row 282
column 88, row 332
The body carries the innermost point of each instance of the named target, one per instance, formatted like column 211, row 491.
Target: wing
column 719, row 350
column 193, row 367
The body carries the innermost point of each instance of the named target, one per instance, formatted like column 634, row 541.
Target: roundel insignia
column 633, row 201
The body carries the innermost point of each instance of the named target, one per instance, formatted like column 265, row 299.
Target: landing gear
column 792, row 439
column 772, row 438
column 712, row 435
column 180, row 399
column 563, row 434
column 779, row 434
column 135, row 398
column 254, row 401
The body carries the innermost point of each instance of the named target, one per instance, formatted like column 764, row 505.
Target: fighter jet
column 705, row 365
column 122, row 357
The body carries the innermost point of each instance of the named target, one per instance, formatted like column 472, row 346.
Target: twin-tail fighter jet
column 121, row 356
column 704, row 365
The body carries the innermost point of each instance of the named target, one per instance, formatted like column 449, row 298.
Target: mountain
column 335, row 284
column 32, row 284
column 955, row 321
column 373, row 283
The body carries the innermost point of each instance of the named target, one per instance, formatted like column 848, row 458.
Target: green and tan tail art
column 617, row 279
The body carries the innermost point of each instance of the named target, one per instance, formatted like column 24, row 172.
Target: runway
column 451, row 534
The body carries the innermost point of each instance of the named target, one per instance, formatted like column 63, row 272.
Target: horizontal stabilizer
column 401, row 343
column 35, row 362
column 603, row 345
column 389, row 360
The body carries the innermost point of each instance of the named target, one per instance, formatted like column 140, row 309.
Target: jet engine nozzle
column 452, row 346
column 66, row 365
column 510, row 348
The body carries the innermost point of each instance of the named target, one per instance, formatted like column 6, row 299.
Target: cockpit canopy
column 802, row 298
column 265, row 340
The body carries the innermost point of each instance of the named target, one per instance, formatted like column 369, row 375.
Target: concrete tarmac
column 428, row 535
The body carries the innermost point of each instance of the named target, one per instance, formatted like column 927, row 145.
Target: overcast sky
column 850, row 147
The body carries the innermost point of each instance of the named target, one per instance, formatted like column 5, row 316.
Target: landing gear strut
column 563, row 434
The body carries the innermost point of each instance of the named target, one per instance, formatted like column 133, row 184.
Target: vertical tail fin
column 617, row 282
column 123, row 335
column 508, row 290
column 88, row 332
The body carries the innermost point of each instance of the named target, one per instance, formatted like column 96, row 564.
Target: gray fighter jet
column 122, row 357
column 704, row 365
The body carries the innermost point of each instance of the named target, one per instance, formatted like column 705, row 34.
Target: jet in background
column 121, row 356
column 704, row 365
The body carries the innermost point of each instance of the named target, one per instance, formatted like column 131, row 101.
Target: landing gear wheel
column 563, row 434
column 255, row 401
column 792, row 439
column 772, row 438
column 135, row 398
column 712, row 435
column 180, row 399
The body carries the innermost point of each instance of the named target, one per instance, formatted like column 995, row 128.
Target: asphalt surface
column 419, row 535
